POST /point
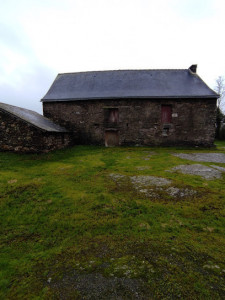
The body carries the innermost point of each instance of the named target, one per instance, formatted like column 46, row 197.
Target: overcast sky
column 41, row 38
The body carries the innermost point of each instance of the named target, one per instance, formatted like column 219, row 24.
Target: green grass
column 62, row 212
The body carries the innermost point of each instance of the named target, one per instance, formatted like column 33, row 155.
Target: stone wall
column 20, row 136
column 140, row 121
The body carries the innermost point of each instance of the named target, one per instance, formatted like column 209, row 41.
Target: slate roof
column 128, row 84
column 32, row 117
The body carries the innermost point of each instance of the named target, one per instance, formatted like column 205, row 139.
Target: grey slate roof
column 32, row 117
column 128, row 84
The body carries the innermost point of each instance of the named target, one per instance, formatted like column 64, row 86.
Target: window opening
column 112, row 115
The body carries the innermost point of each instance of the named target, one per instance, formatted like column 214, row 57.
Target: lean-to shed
column 24, row 130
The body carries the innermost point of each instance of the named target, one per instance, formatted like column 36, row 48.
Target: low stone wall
column 20, row 136
column 140, row 121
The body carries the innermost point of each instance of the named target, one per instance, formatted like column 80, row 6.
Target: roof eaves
column 131, row 97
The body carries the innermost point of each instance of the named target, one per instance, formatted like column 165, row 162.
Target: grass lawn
column 63, row 217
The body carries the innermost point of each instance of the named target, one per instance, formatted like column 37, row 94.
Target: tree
column 220, row 89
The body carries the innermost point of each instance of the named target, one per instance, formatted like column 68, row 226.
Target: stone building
column 134, row 107
column 23, row 130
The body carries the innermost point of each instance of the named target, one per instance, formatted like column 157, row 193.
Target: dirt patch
column 139, row 268
column 143, row 184
column 206, row 157
column 142, row 168
column 143, row 181
column 12, row 181
column 96, row 286
column 200, row 170
column 152, row 186
column 148, row 155
column 218, row 168
column 117, row 177
column 180, row 193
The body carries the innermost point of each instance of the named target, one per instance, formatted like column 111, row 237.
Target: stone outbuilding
column 134, row 107
column 23, row 130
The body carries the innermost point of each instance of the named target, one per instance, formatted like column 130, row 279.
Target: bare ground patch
column 206, row 157
column 142, row 168
column 152, row 186
column 137, row 270
column 96, row 286
column 205, row 172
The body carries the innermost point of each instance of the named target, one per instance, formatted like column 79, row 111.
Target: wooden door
column 111, row 138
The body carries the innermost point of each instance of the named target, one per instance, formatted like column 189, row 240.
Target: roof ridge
column 122, row 71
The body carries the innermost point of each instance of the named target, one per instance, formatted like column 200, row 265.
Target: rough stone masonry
column 139, row 122
column 134, row 107
column 22, row 130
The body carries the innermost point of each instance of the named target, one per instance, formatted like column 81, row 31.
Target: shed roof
column 128, row 84
column 32, row 117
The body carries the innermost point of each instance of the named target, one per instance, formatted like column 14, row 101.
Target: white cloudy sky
column 40, row 38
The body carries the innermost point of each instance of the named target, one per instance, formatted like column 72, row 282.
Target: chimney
column 193, row 68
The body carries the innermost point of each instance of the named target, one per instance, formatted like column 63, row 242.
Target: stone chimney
column 193, row 68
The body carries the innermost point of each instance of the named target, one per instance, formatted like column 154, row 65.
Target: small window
column 166, row 114
column 112, row 115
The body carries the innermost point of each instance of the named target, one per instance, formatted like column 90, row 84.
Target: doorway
column 111, row 138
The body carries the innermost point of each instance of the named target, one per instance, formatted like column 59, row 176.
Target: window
column 112, row 115
column 166, row 114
